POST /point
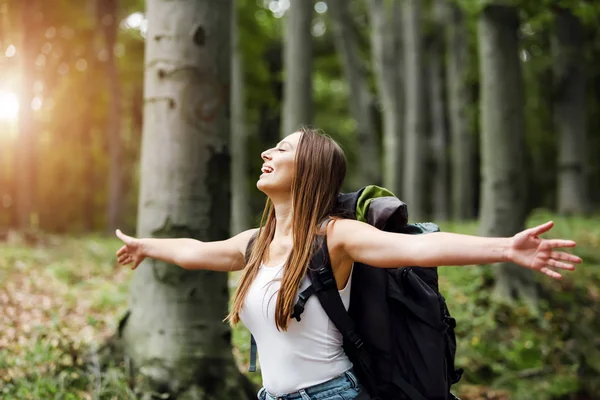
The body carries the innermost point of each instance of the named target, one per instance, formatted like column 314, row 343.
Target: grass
column 64, row 297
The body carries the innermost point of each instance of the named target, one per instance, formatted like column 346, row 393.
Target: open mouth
column 266, row 169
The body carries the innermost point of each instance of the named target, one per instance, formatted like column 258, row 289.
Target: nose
column 266, row 155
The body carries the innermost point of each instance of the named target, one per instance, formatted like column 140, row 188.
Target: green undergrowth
column 548, row 352
column 64, row 296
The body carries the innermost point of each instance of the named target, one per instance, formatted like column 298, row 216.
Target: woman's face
column 278, row 167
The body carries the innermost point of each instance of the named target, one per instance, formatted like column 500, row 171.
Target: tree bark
column 502, row 143
column 109, row 23
column 297, row 60
column 459, row 102
column 240, row 204
column 413, row 192
column 173, row 333
column 360, row 99
column 24, row 171
column 385, row 53
column 570, row 112
column 91, row 92
column 437, row 110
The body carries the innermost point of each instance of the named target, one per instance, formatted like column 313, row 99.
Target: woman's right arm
column 222, row 255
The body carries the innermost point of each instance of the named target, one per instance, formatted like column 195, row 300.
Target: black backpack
column 398, row 331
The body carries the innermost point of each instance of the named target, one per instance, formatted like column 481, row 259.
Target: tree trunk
column 297, row 61
column 88, row 208
column 173, row 333
column 85, row 147
column 386, row 58
column 24, row 171
column 240, row 204
column 413, row 192
column 109, row 24
column 459, row 102
column 502, row 142
column 569, row 113
column 360, row 100
column 437, row 109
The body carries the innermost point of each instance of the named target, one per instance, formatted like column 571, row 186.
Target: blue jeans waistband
column 347, row 378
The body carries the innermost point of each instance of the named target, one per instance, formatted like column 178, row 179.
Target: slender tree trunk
column 24, row 172
column 437, row 110
column 297, row 61
column 88, row 209
column 502, row 142
column 240, row 205
column 5, row 181
column 414, row 125
column 360, row 97
column 569, row 112
column 386, row 59
column 85, row 146
column 459, row 102
column 109, row 23
column 173, row 332
column 3, row 11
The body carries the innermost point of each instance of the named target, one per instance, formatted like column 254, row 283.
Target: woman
column 302, row 177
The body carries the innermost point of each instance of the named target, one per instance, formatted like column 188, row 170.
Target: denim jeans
column 342, row 387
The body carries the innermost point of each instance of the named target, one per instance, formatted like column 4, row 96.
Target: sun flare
column 9, row 106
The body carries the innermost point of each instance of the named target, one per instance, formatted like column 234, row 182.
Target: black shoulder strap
column 321, row 275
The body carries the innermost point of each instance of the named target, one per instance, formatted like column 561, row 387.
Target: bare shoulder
column 341, row 231
column 338, row 228
column 361, row 242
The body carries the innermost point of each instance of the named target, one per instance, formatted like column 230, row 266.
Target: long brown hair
column 318, row 177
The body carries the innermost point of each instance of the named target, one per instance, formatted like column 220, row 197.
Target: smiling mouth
column 266, row 170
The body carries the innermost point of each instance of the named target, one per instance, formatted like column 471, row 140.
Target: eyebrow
column 285, row 142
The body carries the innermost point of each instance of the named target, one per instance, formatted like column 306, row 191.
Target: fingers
column 122, row 250
column 554, row 243
column 126, row 239
column 558, row 255
column 538, row 230
column 550, row 273
column 560, row 265
column 125, row 259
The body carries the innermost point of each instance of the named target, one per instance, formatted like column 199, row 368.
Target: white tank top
column 309, row 352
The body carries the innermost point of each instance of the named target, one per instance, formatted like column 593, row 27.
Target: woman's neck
column 283, row 220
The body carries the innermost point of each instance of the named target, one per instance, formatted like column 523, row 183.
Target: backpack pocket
column 418, row 335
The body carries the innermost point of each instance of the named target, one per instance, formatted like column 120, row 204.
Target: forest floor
column 63, row 296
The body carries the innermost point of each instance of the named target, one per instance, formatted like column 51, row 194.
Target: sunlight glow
column 319, row 28
column 36, row 104
column 10, row 51
column 278, row 7
column 136, row 21
column 9, row 106
column 321, row 7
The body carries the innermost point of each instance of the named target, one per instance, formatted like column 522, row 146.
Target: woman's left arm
column 366, row 244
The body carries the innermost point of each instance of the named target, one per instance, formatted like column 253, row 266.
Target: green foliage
column 544, row 356
column 52, row 319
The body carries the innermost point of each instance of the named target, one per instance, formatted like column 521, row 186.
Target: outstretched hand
column 132, row 252
column 531, row 251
